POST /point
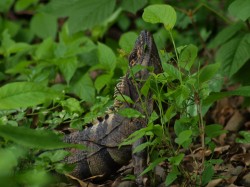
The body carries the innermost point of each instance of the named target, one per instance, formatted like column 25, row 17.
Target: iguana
column 103, row 157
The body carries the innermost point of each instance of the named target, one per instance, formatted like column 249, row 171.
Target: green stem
column 176, row 53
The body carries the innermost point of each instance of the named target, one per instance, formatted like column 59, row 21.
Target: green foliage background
column 60, row 61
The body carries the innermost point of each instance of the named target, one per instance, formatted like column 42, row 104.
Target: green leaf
column 9, row 46
column 72, row 105
column 207, row 174
column 124, row 98
column 214, row 130
column 130, row 113
column 21, row 5
column 25, row 94
column 84, row 88
column 184, row 137
column 153, row 165
column 44, row 25
column 82, row 14
column 141, row 147
column 44, row 50
column 234, row 54
column 176, row 160
column 68, row 67
column 102, row 81
column 240, row 9
column 42, row 139
column 135, row 136
column 170, row 70
column 188, row 56
column 172, row 175
column 106, row 57
column 224, row 35
column 127, row 41
column 135, row 69
column 245, row 139
column 181, row 94
column 5, row 5
column 214, row 96
column 133, row 5
column 208, row 72
column 160, row 14
column 54, row 156
column 9, row 159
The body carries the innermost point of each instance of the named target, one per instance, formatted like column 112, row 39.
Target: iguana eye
column 132, row 56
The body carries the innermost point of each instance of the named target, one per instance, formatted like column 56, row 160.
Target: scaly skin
column 102, row 140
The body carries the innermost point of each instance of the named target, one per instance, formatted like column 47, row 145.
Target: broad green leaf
column 33, row 138
column 242, row 91
column 9, row 158
column 172, row 175
column 44, row 25
column 25, row 94
column 207, row 174
column 67, row 66
column 72, row 105
column 21, row 67
column 141, row 147
column 35, row 177
column 44, row 50
column 130, row 113
column 135, row 69
column 54, row 156
column 183, row 137
column 102, row 81
column 127, row 41
column 160, row 14
column 82, row 14
column 84, row 88
column 170, row 70
column 158, row 130
column 21, row 5
column 245, row 139
column 181, row 94
column 182, row 124
column 188, row 56
column 214, row 130
column 224, row 35
column 240, row 9
column 208, row 72
column 106, row 57
column 176, row 160
column 124, row 98
column 133, row 5
column 153, row 165
column 9, row 46
column 5, row 5
column 234, row 54
column 134, row 136
column 146, row 87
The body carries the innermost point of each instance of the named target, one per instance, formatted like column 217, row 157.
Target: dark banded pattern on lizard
column 102, row 156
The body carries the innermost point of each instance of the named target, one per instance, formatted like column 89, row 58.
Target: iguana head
column 144, row 54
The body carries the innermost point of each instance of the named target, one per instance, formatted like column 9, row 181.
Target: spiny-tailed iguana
column 103, row 157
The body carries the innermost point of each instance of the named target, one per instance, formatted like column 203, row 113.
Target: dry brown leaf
column 235, row 122
column 214, row 182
